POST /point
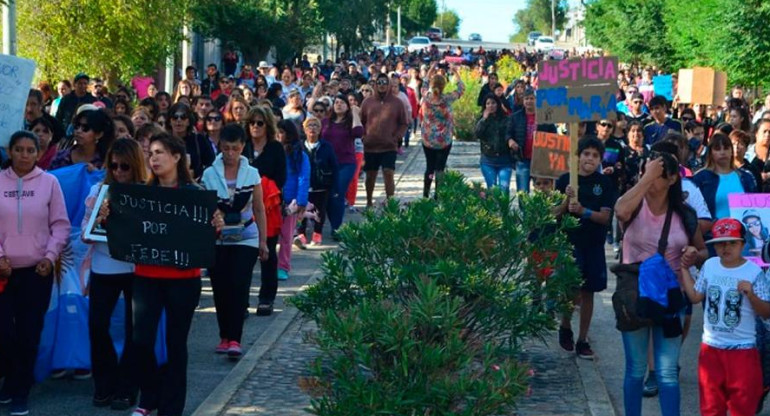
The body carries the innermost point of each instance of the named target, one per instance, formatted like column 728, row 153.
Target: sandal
column 264, row 309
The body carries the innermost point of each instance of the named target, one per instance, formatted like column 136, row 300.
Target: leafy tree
column 105, row 38
column 537, row 16
column 416, row 15
column 354, row 31
column 449, row 23
column 742, row 46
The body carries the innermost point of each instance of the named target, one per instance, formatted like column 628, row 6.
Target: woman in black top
column 199, row 151
column 266, row 154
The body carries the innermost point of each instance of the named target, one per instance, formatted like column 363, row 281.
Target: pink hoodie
column 34, row 218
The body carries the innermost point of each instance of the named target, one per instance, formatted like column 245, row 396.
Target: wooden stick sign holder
column 573, row 157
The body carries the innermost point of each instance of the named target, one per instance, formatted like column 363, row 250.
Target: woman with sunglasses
column 243, row 239
column 158, row 289
column 114, row 384
column 199, row 152
column 212, row 127
column 266, row 153
column 721, row 177
column 642, row 211
column 34, row 230
column 341, row 131
column 295, row 191
column 94, row 133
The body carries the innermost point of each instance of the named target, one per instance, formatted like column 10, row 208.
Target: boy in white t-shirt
column 735, row 290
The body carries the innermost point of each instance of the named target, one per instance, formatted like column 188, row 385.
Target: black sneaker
column 584, row 350
column 102, row 401
column 650, row 385
column 566, row 339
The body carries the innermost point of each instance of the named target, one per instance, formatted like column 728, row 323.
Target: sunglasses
column 605, row 124
column 258, row 123
column 383, row 82
column 179, row 116
column 753, row 224
column 686, row 119
column 85, row 128
column 124, row 167
column 318, row 110
column 214, row 118
column 637, row 101
column 366, row 91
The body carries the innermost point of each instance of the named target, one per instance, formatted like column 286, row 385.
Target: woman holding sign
column 114, row 383
column 243, row 239
column 34, row 230
column 163, row 288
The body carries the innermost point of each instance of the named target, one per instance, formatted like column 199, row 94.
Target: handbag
column 653, row 299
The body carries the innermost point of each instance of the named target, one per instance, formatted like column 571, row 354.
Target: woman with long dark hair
column 266, row 153
column 34, row 230
column 114, row 382
column 94, row 133
column 496, row 159
column 295, row 191
column 197, row 147
column 157, row 289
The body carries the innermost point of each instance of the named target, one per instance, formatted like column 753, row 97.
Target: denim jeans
column 522, row 175
column 666, row 355
column 497, row 176
column 336, row 207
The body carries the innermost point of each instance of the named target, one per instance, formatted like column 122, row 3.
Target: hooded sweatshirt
column 35, row 223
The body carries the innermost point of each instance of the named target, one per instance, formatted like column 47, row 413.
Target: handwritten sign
column 161, row 226
column 15, row 80
column 663, row 85
column 576, row 90
column 550, row 155
column 753, row 210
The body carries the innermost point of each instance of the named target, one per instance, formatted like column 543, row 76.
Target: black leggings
column 231, row 281
column 435, row 162
column 319, row 199
column 269, row 273
column 23, row 305
column 111, row 375
column 163, row 389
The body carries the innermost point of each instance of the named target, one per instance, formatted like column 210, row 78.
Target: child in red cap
column 735, row 290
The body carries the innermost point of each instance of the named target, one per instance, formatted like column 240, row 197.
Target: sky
column 492, row 19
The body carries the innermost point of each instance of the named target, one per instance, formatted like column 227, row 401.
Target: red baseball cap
column 727, row 229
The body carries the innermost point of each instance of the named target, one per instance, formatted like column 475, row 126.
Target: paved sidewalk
column 562, row 384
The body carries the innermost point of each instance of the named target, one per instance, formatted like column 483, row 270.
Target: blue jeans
column 336, row 208
column 497, row 176
column 522, row 175
column 666, row 355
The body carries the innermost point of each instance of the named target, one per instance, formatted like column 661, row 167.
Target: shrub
column 466, row 112
column 508, row 70
column 423, row 308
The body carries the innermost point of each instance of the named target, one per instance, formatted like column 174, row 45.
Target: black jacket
column 201, row 153
column 517, row 130
column 69, row 105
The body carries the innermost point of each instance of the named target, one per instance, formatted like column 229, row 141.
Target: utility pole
column 9, row 27
column 387, row 27
column 553, row 19
column 398, row 36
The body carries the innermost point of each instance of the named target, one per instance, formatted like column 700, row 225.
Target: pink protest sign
column 753, row 210
column 578, row 72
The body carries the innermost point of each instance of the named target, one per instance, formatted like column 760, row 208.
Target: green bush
column 466, row 112
column 508, row 70
column 423, row 308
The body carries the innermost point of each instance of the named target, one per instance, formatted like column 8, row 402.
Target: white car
column 418, row 43
column 544, row 43
column 474, row 37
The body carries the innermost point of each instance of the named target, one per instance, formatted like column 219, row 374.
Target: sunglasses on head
column 214, row 118
column 122, row 166
column 258, row 123
column 85, row 128
column 178, row 116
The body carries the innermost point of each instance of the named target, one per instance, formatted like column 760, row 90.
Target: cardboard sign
column 576, row 90
column 753, row 210
column 550, row 155
column 161, row 226
column 566, row 105
column 15, row 79
column 701, row 86
column 664, row 85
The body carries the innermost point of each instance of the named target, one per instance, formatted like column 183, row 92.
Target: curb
column 597, row 397
column 218, row 399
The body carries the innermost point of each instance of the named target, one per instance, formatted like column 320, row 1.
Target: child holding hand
column 735, row 290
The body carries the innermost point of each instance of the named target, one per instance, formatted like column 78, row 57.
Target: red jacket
column 413, row 101
column 271, row 197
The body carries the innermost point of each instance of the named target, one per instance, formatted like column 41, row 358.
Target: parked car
column 544, row 43
column 474, row 37
column 418, row 43
column 399, row 49
column 532, row 37
column 434, row 34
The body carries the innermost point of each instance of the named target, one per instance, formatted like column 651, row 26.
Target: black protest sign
column 161, row 226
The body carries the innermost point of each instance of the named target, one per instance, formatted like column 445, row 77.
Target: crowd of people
column 283, row 147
